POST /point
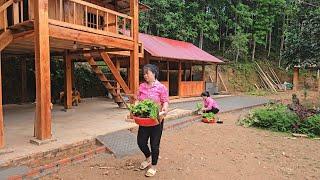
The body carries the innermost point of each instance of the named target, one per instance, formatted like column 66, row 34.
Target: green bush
column 280, row 118
column 311, row 126
column 273, row 117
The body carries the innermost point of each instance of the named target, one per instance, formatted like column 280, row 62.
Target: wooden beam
column 89, row 38
column 2, row 142
column 179, row 80
column 115, row 72
column 24, row 94
column 134, row 54
column 168, row 72
column 6, row 5
column 67, row 81
column 118, row 69
column 42, row 66
column 5, row 39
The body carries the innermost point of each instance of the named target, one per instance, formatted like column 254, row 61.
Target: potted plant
column 145, row 113
column 208, row 117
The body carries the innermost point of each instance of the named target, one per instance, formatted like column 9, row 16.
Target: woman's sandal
column 145, row 164
column 151, row 172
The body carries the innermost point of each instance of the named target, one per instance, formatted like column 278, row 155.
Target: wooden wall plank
column 191, row 88
column 42, row 66
column 179, row 79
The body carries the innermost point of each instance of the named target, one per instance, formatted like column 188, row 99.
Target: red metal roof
column 174, row 49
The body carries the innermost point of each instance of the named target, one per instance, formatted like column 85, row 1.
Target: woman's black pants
column 154, row 133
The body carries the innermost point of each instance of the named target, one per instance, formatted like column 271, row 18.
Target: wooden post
column 134, row 55
column 179, row 79
column 216, row 80
column 168, row 72
column 42, row 66
column 295, row 78
column 203, row 76
column 191, row 79
column 67, row 81
column 118, row 68
column 24, row 94
column 2, row 142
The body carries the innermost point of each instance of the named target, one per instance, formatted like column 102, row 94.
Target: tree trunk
column 219, row 38
column 266, row 44
column 201, row 39
column 253, row 50
column 238, row 53
column 270, row 39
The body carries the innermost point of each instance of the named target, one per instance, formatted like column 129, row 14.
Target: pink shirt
column 158, row 92
column 210, row 103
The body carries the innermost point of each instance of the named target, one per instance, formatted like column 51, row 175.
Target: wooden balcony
column 73, row 25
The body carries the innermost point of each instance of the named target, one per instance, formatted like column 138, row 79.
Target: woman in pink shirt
column 209, row 104
column 154, row 90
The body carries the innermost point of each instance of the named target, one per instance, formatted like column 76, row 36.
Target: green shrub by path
column 280, row 118
column 273, row 117
column 310, row 126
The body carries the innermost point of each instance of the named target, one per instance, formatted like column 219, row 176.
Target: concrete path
column 226, row 103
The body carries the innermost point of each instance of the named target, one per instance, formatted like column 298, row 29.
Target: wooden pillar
column 67, row 81
column 295, row 78
column 179, row 79
column 2, row 142
column 216, row 80
column 24, row 94
column 191, row 79
column 134, row 56
column 168, row 72
column 118, row 68
column 203, row 76
column 42, row 66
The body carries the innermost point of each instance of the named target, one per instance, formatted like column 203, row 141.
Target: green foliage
column 209, row 116
column 198, row 106
column 146, row 108
column 311, row 126
column 280, row 118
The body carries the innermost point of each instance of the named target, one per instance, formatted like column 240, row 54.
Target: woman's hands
column 165, row 108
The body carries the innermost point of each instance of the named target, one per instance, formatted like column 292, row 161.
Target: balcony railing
column 76, row 14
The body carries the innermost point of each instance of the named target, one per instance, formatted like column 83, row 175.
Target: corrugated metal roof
column 174, row 49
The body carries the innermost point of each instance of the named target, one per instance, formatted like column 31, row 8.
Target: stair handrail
column 6, row 5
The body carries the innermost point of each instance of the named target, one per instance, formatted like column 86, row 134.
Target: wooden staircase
column 6, row 37
column 110, row 83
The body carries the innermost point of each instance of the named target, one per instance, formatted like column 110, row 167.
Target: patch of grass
column 258, row 93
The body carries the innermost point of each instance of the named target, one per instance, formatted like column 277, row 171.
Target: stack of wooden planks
column 269, row 78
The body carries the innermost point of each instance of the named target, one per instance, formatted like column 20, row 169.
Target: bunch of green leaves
column 209, row 116
column 198, row 106
column 145, row 109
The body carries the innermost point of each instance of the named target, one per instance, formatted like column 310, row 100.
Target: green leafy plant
column 145, row 109
column 311, row 126
column 198, row 106
column 209, row 116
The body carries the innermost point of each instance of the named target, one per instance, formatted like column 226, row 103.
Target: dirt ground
column 213, row 151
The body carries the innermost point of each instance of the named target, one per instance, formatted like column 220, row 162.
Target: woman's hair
column 206, row 93
column 153, row 68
